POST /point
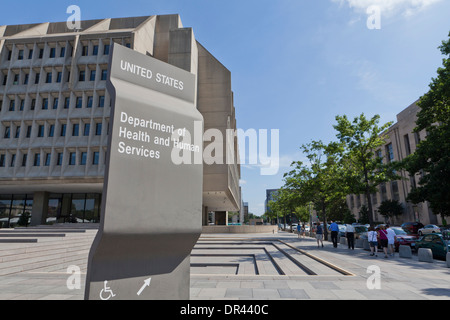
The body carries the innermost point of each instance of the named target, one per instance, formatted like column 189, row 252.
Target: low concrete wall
column 404, row 251
column 240, row 229
column 425, row 255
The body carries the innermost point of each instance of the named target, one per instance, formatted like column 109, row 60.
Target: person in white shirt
column 391, row 239
column 350, row 235
column 373, row 242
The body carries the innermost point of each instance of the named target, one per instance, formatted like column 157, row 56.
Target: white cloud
column 390, row 8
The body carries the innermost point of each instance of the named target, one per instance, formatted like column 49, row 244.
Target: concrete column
column 40, row 208
column 204, row 215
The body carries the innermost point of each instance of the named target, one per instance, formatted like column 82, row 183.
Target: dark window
column 2, row 160
column 95, row 157
column 87, row 128
column 106, row 49
column 7, row 132
column 59, row 159
column 75, row 129
column 82, row 76
column 29, row 131
column 5, row 79
column 36, row 79
column 52, row 52
column 63, row 130
column 12, row 105
column 104, row 74
column 45, row 104
column 55, row 103
column 62, row 53
column 30, row 54
column 49, row 78
column 13, row 160
column 83, row 158
column 59, row 77
column 101, row 101
column 84, row 51
column 90, row 102
column 41, row 131
column 17, row 135
column 24, row 160
column 20, row 57
column 95, row 50
column 51, row 130
column 33, row 104
column 47, row 159
column 72, row 158
column 79, row 102
column 92, row 76
column 41, row 53
column 389, row 153
column 66, row 102
column 98, row 129
column 22, row 104
column 25, row 79
column 37, row 159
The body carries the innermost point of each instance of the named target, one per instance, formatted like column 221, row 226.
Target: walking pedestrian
column 382, row 235
column 373, row 243
column 303, row 230
column 334, row 228
column 350, row 235
column 391, row 235
column 319, row 234
column 299, row 230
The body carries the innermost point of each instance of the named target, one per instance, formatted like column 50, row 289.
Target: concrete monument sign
column 151, row 208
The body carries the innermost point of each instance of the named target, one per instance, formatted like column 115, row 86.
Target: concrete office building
column 55, row 110
column 402, row 142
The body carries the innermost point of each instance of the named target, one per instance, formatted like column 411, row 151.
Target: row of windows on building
column 45, row 103
column 83, row 127
column 67, row 207
column 84, row 74
column 54, row 52
column 45, row 158
column 355, row 200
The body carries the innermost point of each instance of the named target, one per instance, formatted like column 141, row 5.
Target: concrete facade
column 401, row 142
column 55, row 109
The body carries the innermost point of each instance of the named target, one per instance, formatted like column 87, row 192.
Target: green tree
column 432, row 157
column 319, row 181
column 390, row 208
column 364, row 171
column 284, row 203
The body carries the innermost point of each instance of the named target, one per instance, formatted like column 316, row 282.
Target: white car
column 429, row 228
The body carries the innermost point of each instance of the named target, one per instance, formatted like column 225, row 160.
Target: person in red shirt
column 382, row 236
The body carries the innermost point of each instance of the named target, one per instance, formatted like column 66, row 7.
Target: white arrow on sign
column 146, row 284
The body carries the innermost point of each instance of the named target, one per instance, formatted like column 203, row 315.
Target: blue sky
column 295, row 64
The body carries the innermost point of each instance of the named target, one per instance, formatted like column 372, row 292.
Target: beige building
column 402, row 142
column 54, row 113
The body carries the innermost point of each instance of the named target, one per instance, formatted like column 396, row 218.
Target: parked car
column 438, row 244
column 404, row 238
column 412, row 227
column 360, row 230
column 429, row 228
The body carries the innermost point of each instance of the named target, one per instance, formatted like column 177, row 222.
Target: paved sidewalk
column 400, row 278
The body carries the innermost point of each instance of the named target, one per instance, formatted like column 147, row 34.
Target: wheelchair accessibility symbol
column 106, row 293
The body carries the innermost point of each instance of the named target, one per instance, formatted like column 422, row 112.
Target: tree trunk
column 325, row 229
column 369, row 200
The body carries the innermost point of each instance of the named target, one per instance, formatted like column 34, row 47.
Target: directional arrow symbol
column 146, row 284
